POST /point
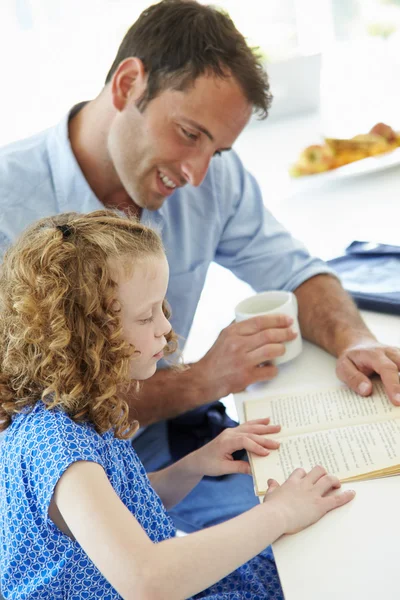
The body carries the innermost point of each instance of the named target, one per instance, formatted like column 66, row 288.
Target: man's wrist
column 354, row 338
column 203, row 386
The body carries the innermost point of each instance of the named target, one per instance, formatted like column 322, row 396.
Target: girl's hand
column 304, row 497
column 215, row 458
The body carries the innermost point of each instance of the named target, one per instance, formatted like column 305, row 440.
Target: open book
column 353, row 437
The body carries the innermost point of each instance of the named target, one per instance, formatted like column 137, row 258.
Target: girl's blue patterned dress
column 38, row 561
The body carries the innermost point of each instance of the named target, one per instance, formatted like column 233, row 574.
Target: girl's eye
column 190, row 136
column 148, row 320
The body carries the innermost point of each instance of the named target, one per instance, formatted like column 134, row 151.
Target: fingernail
column 397, row 398
column 363, row 388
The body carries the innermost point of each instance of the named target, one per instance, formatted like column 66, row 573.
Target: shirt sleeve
column 54, row 442
column 254, row 245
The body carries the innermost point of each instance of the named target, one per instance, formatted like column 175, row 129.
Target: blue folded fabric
column 370, row 272
column 193, row 429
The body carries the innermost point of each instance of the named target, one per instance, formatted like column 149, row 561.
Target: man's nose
column 194, row 168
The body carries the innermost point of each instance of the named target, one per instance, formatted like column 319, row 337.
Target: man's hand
column 357, row 363
column 233, row 362
column 215, row 458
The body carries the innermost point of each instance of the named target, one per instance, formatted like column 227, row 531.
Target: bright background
column 57, row 52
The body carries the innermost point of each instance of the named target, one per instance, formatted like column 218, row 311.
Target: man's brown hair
column 179, row 40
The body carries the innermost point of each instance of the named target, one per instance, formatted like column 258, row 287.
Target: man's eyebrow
column 205, row 131
column 200, row 128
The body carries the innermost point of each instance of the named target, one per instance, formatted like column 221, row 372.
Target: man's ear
column 129, row 82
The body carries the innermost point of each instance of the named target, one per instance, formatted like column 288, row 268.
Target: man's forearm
column 168, row 393
column 328, row 316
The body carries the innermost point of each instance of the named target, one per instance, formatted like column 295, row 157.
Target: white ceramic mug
column 268, row 303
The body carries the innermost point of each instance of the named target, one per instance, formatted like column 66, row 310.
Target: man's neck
column 121, row 201
column 88, row 137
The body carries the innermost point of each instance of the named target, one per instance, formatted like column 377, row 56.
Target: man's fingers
column 348, row 372
column 389, row 373
column 270, row 336
column 394, row 355
column 256, row 324
column 357, row 381
column 266, row 353
column 264, row 373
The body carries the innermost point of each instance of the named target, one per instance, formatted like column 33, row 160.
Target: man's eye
column 190, row 136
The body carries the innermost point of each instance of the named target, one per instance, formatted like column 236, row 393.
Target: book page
column 316, row 410
column 345, row 452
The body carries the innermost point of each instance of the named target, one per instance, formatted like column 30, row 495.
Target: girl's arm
column 173, row 483
column 181, row 567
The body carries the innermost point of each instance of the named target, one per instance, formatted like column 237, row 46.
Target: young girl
column 82, row 316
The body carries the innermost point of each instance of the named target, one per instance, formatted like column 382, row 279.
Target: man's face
column 172, row 142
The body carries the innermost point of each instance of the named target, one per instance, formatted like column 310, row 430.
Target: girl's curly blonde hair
column 60, row 331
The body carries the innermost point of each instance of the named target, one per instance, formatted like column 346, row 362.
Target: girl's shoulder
column 52, row 430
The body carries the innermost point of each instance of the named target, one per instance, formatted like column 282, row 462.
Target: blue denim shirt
column 222, row 220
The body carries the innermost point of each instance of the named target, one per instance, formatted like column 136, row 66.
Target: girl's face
column 143, row 322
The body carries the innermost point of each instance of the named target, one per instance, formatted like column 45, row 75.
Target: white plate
column 358, row 167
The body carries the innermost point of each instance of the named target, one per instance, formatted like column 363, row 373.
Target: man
column 156, row 142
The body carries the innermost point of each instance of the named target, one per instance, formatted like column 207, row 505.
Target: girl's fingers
column 263, row 421
column 272, row 484
column 297, row 474
column 237, row 466
column 337, row 500
column 262, row 441
column 258, row 428
column 247, row 443
column 316, row 473
column 251, row 442
column 327, row 483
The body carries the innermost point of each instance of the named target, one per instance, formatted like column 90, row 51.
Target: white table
column 352, row 553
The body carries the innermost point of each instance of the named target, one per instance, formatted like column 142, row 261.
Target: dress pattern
column 37, row 560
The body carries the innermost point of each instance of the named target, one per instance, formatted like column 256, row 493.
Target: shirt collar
column 73, row 192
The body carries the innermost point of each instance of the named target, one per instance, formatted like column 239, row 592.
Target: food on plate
column 385, row 131
column 314, row 159
column 334, row 153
